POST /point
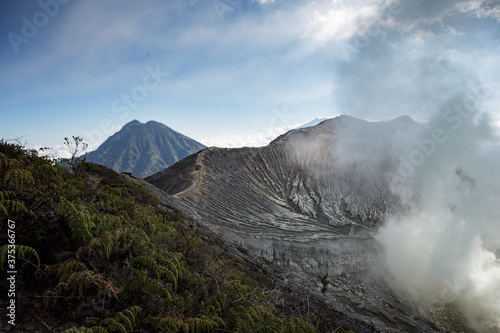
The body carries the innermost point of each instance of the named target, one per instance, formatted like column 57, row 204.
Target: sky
column 236, row 73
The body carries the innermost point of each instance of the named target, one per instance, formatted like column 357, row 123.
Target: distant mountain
column 143, row 149
column 313, row 122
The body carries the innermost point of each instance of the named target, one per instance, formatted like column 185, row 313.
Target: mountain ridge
column 143, row 149
column 313, row 122
column 310, row 203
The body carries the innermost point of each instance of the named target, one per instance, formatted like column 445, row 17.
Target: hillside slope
column 98, row 251
column 143, row 149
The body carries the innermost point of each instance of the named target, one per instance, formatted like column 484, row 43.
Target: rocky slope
column 310, row 203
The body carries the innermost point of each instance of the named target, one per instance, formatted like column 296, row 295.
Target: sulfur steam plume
column 445, row 244
column 445, row 247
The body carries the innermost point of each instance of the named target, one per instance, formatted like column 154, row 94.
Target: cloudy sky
column 238, row 72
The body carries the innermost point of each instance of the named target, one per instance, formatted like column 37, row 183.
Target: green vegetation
column 98, row 253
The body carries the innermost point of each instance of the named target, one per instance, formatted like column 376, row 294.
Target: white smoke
column 446, row 247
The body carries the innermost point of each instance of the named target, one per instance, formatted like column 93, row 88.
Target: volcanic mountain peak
column 144, row 149
column 309, row 202
column 313, row 122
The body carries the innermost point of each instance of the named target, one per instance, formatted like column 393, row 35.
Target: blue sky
column 237, row 72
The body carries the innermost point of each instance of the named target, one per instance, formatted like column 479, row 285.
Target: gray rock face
column 310, row 204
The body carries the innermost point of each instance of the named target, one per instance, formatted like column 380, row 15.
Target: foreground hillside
column 98, row 252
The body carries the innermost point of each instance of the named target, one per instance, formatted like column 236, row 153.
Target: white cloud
column 483, row 9
column 264, row 1
column 55, row 151
column 59, row 151
column 339, row 22
column 259, row 139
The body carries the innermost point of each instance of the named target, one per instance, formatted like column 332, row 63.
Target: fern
column 99, row 329
column 103, row 245
column 200, row 324
column 48, row 169
column 80, row 330
column 113, row 325
column 66, row 207
column 155, row 287
column 220, row 300
column 106, row 222
column 147, row 261
column 133, row 313
column 10, row 206
column 159, row 231
column 131, row 238
column 117, row 191
column 80, row 281
column 300, row 325
column 216, row 305
column 5, row 195
column 16, row 206
column 168, row 324
column 95, row 329
column 73, row 275
column 3, row 157
column 171, row 260
column 168, row 273
column 9, row 163
column 64, row 270
column 123, row 322
column 79, row 220
column 7, row 205
column 18, row 177
column 249, row 317
column 269, row 329
column 21, row 251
